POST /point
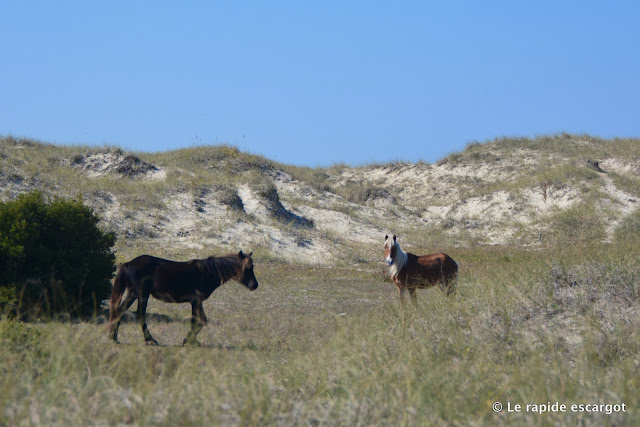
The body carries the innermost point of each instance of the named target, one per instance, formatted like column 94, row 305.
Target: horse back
column 430, row 268
column 435, row 260
column 144, row 265
column 167, row 280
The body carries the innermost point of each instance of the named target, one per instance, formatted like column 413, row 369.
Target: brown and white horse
column 411, row 272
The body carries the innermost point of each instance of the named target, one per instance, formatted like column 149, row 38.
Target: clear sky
column 318, row 82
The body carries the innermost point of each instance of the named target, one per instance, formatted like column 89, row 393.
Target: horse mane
column 228, row 266
column 399, row 262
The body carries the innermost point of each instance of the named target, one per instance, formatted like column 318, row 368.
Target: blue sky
column 316, row 83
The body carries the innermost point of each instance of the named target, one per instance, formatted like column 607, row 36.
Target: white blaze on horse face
column 388, row 245
column 395, row 257
column 389, row 258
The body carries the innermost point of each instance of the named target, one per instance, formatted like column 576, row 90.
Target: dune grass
column 552, row 322
column 334, row 347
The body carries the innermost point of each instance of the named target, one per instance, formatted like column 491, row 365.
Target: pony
column 176, row 282
column 411, row 272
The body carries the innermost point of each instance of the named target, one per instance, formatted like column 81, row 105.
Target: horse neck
column 399, row 262
column 227, row 268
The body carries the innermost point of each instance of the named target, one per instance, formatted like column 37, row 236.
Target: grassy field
column 315, row 346
column 554, row 317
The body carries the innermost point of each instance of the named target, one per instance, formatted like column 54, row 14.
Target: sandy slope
column 483, row 195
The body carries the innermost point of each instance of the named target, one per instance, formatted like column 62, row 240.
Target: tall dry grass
column 332, row 346
column 320, row 346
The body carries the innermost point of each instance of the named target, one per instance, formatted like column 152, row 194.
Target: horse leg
column 198, row 320
column 442, row 285
column 450, row 286
column 453, row 280
column 442, row 281
column 414, row 297
column 449, row 281
column 142, row 319
column 401, row 291
column 120, row 310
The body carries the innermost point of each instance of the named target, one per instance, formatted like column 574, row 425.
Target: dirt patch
column 583, row 299
column 114, row 163
column 266, row 204
column 622, row 166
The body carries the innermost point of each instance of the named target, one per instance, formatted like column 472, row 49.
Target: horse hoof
column 195, row 343
column 151, row 342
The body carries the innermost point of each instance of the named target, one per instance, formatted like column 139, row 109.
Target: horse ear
column 240, row 254
column 250, row 253
column 386, row 236
column 394, row 237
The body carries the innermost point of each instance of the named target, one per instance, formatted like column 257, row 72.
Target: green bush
column 53, row 257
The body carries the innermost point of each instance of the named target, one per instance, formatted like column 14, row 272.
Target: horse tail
column 452, row 276
column 457, row 273
column 117, row 296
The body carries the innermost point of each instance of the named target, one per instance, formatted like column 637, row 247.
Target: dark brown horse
column 172, row 281
column 411, row 272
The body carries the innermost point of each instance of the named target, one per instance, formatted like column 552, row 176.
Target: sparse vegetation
column 628, row 232
column 548, row 315
column 228, row 195
column 333, row 347
column 360, row 193
column 580, row 225
column 628, row 183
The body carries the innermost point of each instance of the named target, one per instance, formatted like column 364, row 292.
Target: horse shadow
column 218, row 346
column 130, row 317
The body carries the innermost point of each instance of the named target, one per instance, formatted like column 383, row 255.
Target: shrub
column 53, row 257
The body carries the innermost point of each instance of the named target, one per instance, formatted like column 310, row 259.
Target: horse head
column 389, row 249
column 247, row 277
